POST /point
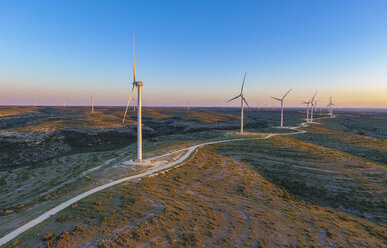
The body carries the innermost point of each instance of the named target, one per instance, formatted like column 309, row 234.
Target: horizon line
column 183, row 106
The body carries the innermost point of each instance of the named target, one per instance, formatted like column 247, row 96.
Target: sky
column 196, row 51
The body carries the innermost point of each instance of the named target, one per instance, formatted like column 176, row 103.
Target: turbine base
column 137, row 162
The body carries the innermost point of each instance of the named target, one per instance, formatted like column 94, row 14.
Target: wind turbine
column 330, row 105
column 282, row 106
column 312, row 106
column 138, row 85
column 92, row 104
column 134, row 104
column 1, row 101
column 242, row 100
column 307, row 109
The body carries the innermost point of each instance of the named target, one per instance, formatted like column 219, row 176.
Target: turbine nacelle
column 138, row 83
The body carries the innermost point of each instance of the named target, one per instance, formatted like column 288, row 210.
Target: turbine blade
column 234, row 98
column 126, row 110
column 245, row 102
column 134, row 60
column 312, row 99
column 243, row 83
column 286, row 94
column 276, row 98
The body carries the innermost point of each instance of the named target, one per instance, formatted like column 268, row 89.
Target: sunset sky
column 194, row 51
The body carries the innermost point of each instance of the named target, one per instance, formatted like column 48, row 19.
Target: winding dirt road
column 10, row 236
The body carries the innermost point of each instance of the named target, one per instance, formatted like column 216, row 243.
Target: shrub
column 65, row 235
column 49, row 236
column 15, row 243
column 80, row 228
column 189, row 239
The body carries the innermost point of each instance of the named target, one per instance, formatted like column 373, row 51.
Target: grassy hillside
column 212, row 200
column 325, row 187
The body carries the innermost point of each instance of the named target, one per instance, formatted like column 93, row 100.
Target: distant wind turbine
column 1, row 101
column 307, row 110
column 282, row 106
column 241, row 95
column 307, row 107
column 312, row 106
column 138, row 85
column 330, row 105
column 92, row 104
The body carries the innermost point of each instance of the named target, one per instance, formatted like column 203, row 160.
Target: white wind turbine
column 330, row 105
column 92, row 104
column 307, row 110
column 241, row 95
column 282, row 106
column 307, row 107
column 138, row 85
column 312, row 106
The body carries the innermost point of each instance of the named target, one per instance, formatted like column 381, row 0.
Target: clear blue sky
column 193, row 50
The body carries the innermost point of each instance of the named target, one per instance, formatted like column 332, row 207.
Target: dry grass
column 210, row 201
column 16, row 110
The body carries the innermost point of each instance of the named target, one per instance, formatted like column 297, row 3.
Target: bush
column 65, row 235
column 189, row 239
column 49, row 236
column 15, row 243
column 80, row 228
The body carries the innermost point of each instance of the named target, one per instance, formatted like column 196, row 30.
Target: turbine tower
column 282, row 106
column 312, row 106
column 92, row 104
column 1, row 101
column 330, row 105
column 307, row 107
column 307, row 110
column 241, row 95
column 138, row 85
